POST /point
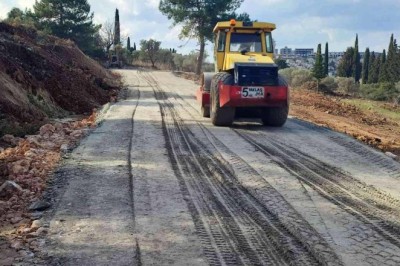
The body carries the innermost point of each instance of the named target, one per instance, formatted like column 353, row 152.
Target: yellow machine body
column 226, row 55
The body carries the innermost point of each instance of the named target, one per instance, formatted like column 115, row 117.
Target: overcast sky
column 300, row 24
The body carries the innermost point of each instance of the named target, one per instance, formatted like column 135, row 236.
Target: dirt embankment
column 43, row 76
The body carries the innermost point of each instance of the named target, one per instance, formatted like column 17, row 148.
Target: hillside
column 43, row 76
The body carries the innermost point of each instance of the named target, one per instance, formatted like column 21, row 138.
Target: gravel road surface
column 157, row 184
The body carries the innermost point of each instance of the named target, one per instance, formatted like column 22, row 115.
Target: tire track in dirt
column 137, row 255
column 163, row 224
column 365, row 202
column 386, row 164
column 216, row 242
column 374, row 248
column 302, row 230
column 231, row 201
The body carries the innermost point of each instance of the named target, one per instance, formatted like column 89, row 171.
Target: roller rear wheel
column 220, row 116
column 275, row 116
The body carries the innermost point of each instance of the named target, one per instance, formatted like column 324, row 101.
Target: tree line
column 376, row 68
column 375, row 77
column 378, row 76
column 151, row 54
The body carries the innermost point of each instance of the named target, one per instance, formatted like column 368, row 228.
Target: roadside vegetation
column 363, row 100
column 343, row 86
column 375, row 77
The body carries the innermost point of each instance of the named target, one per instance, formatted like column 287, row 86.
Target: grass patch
column 376, row 107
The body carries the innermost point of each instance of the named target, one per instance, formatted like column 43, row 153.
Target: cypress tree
column 365, row 71
column 318, row 70
column 371, row 64
column 134, row 47
column 357, row 63
column 128, row 44
column 383, row 59
column 392, row 64
column 383, row 73
column 375, row 70
column 396, row 61
column 117, row 32
column 326, row 61
column 345, row 67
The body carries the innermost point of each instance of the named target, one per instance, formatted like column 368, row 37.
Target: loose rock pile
column 25, row 170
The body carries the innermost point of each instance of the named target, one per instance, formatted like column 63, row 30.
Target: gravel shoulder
column 92, row 223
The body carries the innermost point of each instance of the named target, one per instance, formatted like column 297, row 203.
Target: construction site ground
column 158, row 184
column 374, row 123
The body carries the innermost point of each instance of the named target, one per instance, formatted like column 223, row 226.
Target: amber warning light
column 233, row 22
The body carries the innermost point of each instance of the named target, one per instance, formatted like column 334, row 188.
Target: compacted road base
column 157, row 184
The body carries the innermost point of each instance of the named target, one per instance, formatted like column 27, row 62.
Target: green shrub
column 296, row 77
column 300, row 77
column 385, row 91
column 347, row 85
column 371, row 91
column 328, row 85
column 287, row 74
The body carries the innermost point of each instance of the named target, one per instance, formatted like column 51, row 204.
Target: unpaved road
column 157, row 184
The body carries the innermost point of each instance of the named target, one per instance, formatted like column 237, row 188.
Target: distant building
column 335, row 54
column 303, row 52
column 286, row 51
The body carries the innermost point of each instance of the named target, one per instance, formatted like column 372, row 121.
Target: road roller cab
column 246, row 82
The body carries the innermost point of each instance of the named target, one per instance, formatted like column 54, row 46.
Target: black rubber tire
column 220, row 116
column 275, row 116
column 205, row 111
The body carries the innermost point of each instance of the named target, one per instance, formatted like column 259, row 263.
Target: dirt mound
column 43, row 76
